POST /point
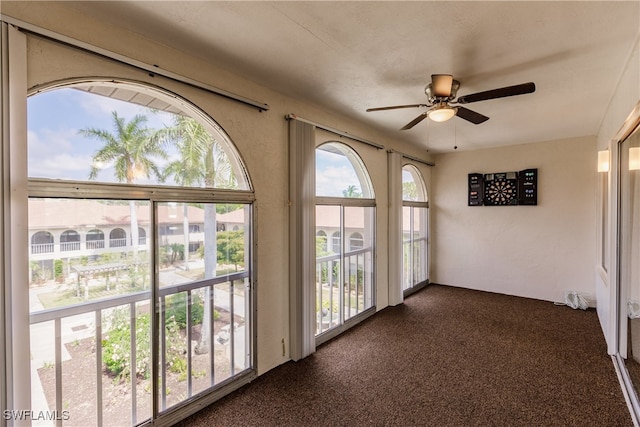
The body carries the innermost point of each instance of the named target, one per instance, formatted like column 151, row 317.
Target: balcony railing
column 118, row 243
column 95, row 244
column 46, row 248
column 69, row 246
column 356, row 287
column 42, row 248
column 222, row 295
column 414, row 268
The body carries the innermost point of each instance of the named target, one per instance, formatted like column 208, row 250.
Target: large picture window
column 140, row 298
column 415, row 220
column 345, row 210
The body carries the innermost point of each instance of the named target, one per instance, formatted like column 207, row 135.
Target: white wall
column 530, row 251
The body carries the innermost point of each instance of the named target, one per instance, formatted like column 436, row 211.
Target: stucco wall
column 531, row 251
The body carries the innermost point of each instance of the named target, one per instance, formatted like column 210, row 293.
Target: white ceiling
column 350, row 56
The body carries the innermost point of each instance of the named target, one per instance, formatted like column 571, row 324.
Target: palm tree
column 131, row 148
column 202, row 162
column 351, row 191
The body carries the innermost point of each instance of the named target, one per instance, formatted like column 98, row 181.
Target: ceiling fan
column 441, row 94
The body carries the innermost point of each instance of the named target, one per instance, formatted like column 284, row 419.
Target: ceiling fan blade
column 503, row 92
column 441, row 84
column 470, row 115
column 393, row 107
column 415, row 121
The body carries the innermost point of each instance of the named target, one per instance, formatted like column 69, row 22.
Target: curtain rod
column 336, row 131
column 152, row 69
column 415, row 159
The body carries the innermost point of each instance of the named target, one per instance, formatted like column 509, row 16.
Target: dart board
column 501, row 189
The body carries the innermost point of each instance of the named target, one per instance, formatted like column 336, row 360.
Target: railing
column 42, row 248
column 69, row 246
column 118, row 243
column 352, row 297
column 96, row 310
column 414, row 262
column 95, row 244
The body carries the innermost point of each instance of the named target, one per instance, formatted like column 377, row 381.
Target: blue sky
column 58, row 151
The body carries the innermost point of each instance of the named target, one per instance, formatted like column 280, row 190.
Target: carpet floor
column 446, row 357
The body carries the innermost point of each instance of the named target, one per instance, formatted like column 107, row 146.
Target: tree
column 202, row 162
column 409, row 190
column 351, row 192
column 132, row 149
column 231, row 247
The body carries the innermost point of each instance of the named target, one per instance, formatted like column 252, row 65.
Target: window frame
column 421, row 188
column 57, row 188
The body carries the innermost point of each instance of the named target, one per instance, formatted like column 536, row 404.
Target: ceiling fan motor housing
column 433, row 99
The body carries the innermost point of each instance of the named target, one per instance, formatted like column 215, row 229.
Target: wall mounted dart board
column 503, row 188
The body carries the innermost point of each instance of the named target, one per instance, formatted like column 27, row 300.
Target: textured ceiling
column 350, row 56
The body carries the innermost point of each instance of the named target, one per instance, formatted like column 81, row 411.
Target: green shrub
column 58, row 270
column 116, row 347
column 176, row 307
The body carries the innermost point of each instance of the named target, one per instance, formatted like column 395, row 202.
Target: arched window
column 321, row 243
column 70, row 241
column 141, row 162
column 356, row 241
column 42, row 242
column 415, row 222
column 117, row 238
column 341, row 173
column 413, row 187
column 336, row 242
column 95, row 239
column 345, row 207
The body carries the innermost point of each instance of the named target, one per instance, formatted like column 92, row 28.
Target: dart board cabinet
column 503, row 188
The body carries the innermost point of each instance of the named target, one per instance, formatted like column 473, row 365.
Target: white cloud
column 331, row 180
column 61, row 166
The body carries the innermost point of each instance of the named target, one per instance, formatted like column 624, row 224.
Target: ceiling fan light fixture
column 442, row 114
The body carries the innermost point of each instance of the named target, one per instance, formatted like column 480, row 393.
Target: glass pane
column 328, row 274
column 629, row 257
column 341, row 173
column 92, row 360
column 407, row 248
column 82, row 250
column 414, row 246
column 85, row 134
column 413, row 188
column 420, row 255
column 358, row 263
column 206, row 330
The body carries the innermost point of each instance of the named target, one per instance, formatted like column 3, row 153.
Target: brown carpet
column 446, row 357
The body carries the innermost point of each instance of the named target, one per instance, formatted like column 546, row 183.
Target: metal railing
column 349, row 299
column 96, row 309
column 414, row 262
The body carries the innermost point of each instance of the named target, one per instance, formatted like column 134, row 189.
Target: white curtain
column 395, row 228
column 15, row 374
column 302, row 257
